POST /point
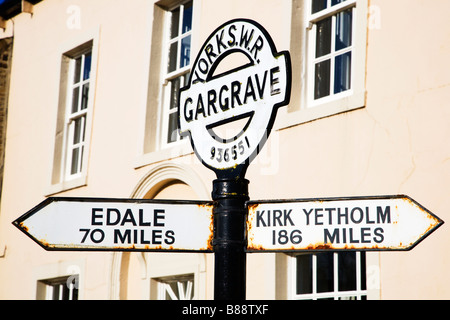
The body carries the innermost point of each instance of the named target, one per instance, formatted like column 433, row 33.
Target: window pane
column 75, row 159
column 87, row 66
column 75, row 99
column 323, row 37
column 171, row 291
column 342, row 76
column 185, row 79
column 185, row 51
column 325, row 266
column 172, row 65
column 318, row 5
column 55, row 294
column 304, row 274
column 174, row 23
column 187, row 17
column 65, row 292
column 77, row 130
column 322, row 79
column 84, row 96
column 335, row 2
column 174, row 89
column 77, row 71
column 347, row 271
column 172, row 133
column 344, row 29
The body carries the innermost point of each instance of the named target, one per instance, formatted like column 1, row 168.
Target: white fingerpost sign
column 252, row 92
column 360, row 223
column 119, row 224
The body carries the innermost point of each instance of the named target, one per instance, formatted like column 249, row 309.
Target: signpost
column 252, row 92
column 230, row 226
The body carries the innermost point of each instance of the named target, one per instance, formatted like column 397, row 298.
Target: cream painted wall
column 396, row 144
column 31, row 128
column 408, row 94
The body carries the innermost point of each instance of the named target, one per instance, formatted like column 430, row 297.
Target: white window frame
column 60, row 180
column 335, row 294
column 71, row 118
column 330, row 11
column 166, row 111
column 172, row 268
column 302, row 108
column 64, row 272
column 60, row 284
column 184, row 283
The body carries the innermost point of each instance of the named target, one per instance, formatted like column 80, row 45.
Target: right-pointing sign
column 359, row 223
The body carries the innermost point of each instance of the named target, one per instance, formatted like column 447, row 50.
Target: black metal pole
column 229, row 195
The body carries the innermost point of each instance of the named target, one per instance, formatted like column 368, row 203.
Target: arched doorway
column 139, row 275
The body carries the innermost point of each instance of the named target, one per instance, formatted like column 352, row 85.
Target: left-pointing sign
column 119, row 225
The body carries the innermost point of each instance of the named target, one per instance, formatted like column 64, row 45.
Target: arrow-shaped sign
column 357, row 223
column 360, row 223
column 119, row 224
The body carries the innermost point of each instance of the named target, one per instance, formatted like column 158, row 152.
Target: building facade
column 88, row 96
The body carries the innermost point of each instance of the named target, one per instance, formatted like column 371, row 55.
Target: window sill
column 286, row 119
column 66, row 185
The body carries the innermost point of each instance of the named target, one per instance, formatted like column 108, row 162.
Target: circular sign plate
column 251, row 93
